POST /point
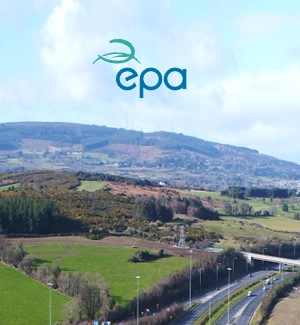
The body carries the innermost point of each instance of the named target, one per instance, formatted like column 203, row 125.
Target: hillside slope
column 161, row 156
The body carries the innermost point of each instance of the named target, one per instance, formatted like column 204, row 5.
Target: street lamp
column 50, row 285
column 218, row 273
column 201, row 269
column 280, row 249
column 271, row 281
column 138, row 300
column 265, row 248
column 209, row 297
column 190, row 251
column 228, row 269
column 235, row 258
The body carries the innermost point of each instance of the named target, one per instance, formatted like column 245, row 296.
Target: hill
column 160, row 156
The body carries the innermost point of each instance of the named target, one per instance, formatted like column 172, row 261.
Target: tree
column 26, row 265
column 227, row 208
column 93, row 296
column 285, row 207
column 151, row 209
column 244, row 208
column 72, row 310
column 273, row 210
column 235, row 209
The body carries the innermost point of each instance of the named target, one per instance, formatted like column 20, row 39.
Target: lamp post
column 271, row 281
column 138, row 300
column 265, row 248
column 201, row 269
column 209, row 309
column 280, row 249
column 218, row 273
column 228, row 269
column 235, row 258
column 50, row 285
column 190, row 251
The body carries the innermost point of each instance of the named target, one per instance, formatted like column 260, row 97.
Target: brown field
column 287, row 311
column 115, row 241
column 136, row 190
column 141, row 153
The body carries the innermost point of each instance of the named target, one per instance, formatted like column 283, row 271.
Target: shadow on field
column 156, row 258
column 121, row 301
column 41, row 261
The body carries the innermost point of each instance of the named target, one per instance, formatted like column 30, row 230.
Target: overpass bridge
column 262, row 257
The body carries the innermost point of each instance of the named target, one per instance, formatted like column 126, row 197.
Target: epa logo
column 125, row 57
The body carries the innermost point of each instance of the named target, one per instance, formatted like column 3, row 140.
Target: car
column 250, row 275
column 237, row 280
column 217, row 288
column 249, row 293
column 264, row 287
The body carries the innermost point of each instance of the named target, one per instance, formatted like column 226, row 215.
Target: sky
column 242, row 59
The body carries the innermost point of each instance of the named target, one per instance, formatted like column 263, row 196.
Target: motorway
column 190, row 317
column 250, row 309
column 242, row 312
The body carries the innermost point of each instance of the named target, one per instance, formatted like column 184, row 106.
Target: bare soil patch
column 287, row 311
column 136, row 190
column 141, row 153
column 113, row 241
column 158, row 192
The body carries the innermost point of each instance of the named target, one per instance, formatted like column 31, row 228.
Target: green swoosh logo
column 127, row 57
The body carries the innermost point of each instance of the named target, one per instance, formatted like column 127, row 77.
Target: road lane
column 188, row 318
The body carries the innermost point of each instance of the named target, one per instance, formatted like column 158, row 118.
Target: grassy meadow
column 204, row 194
column 91, row 186
column 24, row 301
column 282, row 225
column 111, row 263
column 6, row 187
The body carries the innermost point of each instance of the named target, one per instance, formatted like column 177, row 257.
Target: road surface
column 190, row 317
column 242, row 312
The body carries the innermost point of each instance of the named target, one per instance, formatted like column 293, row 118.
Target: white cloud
column 15, row 94
column 257, row 24
column 255, row 110
column 76, row 32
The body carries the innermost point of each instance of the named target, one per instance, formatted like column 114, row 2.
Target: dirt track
column 112, row 241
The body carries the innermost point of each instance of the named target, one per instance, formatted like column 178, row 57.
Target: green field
column 112, row 264
column 278, row 223
column 91, row 186
column 6, row 187
column 96, row 155
column 230, row 228
column 204, row 194
column 26, row 302
column 274, row 226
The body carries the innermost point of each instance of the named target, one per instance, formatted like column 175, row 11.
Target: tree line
column 239, row 192
column 163, row 209
column 21, row 214
column 90, row 292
